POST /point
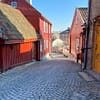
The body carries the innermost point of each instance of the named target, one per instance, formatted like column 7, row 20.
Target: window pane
column 14, row 4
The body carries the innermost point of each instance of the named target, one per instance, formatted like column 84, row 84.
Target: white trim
column 44, row 24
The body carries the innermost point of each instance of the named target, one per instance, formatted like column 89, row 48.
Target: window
column 49, row 28
column 46, row 43
column 76, row 20
column 41, row 46
column 14, row 4
column 77, row 43
column 46, row 27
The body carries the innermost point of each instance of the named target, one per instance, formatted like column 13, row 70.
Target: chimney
column 29, row 1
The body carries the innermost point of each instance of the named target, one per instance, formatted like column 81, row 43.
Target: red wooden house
column 18, row 38
column 39, row 22
column 77, row 32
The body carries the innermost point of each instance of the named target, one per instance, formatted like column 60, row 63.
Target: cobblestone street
column 56, row 79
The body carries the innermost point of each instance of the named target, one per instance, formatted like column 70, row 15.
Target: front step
column 94, row 74
column 86, row 76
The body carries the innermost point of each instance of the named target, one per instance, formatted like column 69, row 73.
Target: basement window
column 14, row 4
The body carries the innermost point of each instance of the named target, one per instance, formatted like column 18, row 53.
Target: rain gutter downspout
column 87, row 35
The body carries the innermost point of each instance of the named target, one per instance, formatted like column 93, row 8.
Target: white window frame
column 77, row 43
column 41, row 49
column 44, row 26
column 46, row 43
column 49, row 28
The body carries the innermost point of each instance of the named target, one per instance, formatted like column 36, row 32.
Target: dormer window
column 14, row 4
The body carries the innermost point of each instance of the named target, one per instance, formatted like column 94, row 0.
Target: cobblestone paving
column 47, row 80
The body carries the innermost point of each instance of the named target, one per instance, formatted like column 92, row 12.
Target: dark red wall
column 37, row 20
column 75, row 31
column 15, row 54
column 46, row 35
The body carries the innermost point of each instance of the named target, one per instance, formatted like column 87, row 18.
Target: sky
column 59, row 12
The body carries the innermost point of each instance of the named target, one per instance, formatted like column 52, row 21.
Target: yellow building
column 93, row 36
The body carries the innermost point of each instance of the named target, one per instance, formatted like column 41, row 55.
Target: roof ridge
column 82, row 8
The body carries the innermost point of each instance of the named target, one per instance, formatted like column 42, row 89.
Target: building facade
column 94, row 37
column 77, row 33
column 38, row 21
column 18, row 38
column 64, row 35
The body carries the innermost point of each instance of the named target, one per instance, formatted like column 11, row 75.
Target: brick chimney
column 29, row 1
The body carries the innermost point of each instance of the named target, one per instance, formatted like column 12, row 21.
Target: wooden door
column 96, row 64
column 33, row 51
column 37, row 50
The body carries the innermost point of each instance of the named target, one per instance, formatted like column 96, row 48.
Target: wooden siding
column 46, row 36
column 37, row 21
column 76, row 29
column 15, row 54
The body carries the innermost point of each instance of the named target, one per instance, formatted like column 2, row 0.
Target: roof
column 44, row 18
column 32, row 10
column 65, row 31
column 14, row 25
column 83, row 13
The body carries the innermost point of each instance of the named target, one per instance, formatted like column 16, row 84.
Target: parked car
column 60, row 50
column 65, row 51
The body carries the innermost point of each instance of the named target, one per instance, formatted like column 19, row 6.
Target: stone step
column 86, row 76
column 94, row 74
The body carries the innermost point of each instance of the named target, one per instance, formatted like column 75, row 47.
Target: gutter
column 87, row 36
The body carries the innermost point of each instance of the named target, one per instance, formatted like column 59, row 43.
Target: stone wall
column 94, row 12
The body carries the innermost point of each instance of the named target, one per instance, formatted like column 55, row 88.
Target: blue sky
column 59, row 12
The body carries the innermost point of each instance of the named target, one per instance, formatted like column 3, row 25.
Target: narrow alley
column 55, row 79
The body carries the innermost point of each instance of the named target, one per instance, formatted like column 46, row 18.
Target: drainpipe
column 87, row 35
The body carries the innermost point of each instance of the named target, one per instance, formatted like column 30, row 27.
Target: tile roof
column 83, row 13
column 65, row 31
column 13, row 24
